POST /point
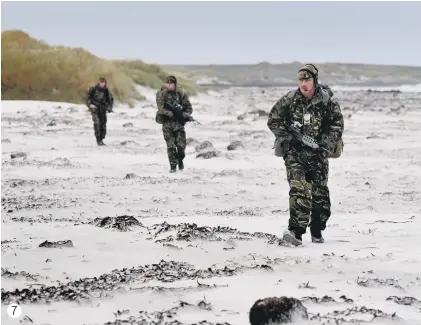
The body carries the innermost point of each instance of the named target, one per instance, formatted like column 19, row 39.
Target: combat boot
column 294, row 237
column 173, row 169
column 180, row 164
column 180, row 157
column 99, row 141
column 316, row 235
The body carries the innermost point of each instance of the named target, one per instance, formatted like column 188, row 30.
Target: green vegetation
column 34, row 70
column 151, row 75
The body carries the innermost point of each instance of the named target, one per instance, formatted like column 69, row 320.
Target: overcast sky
column 228, row 32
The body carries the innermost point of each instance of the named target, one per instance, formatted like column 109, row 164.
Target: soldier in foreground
column 173, row 121
column 319, row 116
column 100, row 100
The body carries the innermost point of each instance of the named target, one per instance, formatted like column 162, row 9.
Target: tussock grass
column 152, row 75
column 34, row 70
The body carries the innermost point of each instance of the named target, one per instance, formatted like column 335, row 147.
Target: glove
column 294, row 143
column 92, row 107
column 179, row 116
column 289, row 143
column 187, row 117
column 169, row 114
column 324, row 144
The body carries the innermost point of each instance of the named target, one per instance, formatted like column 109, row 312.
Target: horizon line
column 211, row 64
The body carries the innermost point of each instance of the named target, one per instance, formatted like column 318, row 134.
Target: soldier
column 173, row 122
column 313, row 106
column 100, row 100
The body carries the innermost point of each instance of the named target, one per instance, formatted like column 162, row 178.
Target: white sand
column 374, row 231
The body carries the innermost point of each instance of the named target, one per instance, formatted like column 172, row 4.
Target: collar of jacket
column 320, row 95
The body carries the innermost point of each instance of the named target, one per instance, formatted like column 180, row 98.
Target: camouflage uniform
column 307, row 169
column 174, row 130
column 103, row 99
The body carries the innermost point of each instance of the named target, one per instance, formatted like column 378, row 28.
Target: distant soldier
column 100, row 100
column 319, row 116
column 173, row 121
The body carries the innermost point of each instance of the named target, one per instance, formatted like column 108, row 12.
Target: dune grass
column 34, row 70
column 152, row 75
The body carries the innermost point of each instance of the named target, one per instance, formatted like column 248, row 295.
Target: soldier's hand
column 187, row 117
column 324, row 145
column 295, row 143
column 324, row 154
column 170, row 114
column 92, row 107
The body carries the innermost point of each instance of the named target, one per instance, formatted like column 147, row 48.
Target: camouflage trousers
column 99, row 117
column 175, row 138
column 309, row 198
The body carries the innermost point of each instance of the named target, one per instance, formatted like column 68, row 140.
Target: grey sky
column 228, row 32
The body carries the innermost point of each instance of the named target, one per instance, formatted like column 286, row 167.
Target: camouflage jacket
column 100, row 97
column 178, row 96
column 326, row 120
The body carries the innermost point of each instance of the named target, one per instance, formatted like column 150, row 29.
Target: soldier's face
column 102, row 84
column 170, row 86
column 306, row 86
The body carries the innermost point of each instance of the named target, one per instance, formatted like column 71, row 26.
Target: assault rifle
column 101, row 106
column 295, row 130
column 177, row 110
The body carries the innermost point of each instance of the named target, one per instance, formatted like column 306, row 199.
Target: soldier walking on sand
column 100, row 100
column 173, row 122
column 319, row 116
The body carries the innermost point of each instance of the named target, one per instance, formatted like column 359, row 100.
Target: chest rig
column 99, row 96
column 309, row 115
column 174, row 97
